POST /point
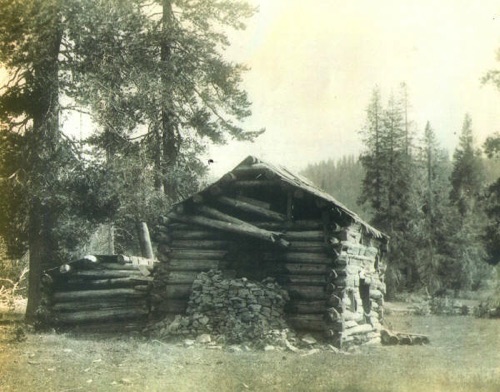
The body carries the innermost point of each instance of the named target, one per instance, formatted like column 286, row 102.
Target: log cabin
column 261, row 220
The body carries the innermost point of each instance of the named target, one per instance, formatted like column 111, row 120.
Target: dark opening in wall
column 364, row 293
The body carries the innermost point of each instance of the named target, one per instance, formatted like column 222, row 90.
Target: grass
column 464, row 355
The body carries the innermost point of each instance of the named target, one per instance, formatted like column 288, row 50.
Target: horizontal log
column 109, row 327
column 200, row 244
column 315, row 235
column 299, row 225
column 259, row 203
column 123, row 267
column 174, row 226
column 307, row 322
column 238, row 224
column 255, row 171
column 112, row 303
column 197, row 235
column 197, row 254
column 298, row 257
column 123, row 259
column 388, row 338
column 252, row 209
column 76, row 284
column 311, row 280
column 136, row 260
column 305, row 292
column 349, row 315
column 359, row 329
column 192, row 265
column 306, row 307
column 105, row 274
column 211, row 212
column 101, row 315
column 309, row 246
column 246, row 229
column 305, row 257
column 97, row 294
column 305, row 269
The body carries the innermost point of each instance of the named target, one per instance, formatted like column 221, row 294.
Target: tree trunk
column 170, row 137
column 43, row 143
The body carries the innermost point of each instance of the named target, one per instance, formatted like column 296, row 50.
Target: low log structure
column 260, row 221
column 98, row 293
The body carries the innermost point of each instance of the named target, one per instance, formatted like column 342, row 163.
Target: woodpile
column 394, row 338
column 261, row 221
column 102, row 293
column 234, row 310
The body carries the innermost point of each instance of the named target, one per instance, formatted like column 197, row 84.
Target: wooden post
column 145, row 240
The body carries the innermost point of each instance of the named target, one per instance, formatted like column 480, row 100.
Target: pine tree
column 431, row 227
column 372, row 160
column 170, row 78
column 467, row 181
column 467, row 176
column 388, row 186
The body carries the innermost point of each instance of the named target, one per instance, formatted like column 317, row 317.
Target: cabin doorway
column 364, row 293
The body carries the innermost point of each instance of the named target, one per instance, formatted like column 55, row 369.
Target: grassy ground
column 464, row 355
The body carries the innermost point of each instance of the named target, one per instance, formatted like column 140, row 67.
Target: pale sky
column 314, row 65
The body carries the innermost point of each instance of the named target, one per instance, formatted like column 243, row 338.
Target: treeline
column 442, row 214
column 342, row 179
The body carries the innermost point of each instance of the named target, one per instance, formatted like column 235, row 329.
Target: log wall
column 98, row 293
column 332, row 273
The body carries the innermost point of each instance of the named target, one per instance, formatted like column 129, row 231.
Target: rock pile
column 231, row 310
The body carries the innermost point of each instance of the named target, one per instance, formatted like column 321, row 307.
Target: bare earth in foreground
column 464, row 355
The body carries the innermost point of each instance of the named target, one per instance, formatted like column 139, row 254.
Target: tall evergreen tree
column 30, row 44
column 171, row 78
column 467, row 182
column 372, row 160
column 467, row 176
column 431, row 226
column 387, row 186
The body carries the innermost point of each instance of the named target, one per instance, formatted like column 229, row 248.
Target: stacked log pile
column 404, row 338
column 236, row 310
column 99, row 293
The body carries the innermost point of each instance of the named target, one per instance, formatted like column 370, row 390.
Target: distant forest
column 343, row 178
column 439, row 208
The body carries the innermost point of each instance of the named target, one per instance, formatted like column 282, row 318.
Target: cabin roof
column 300, row 182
